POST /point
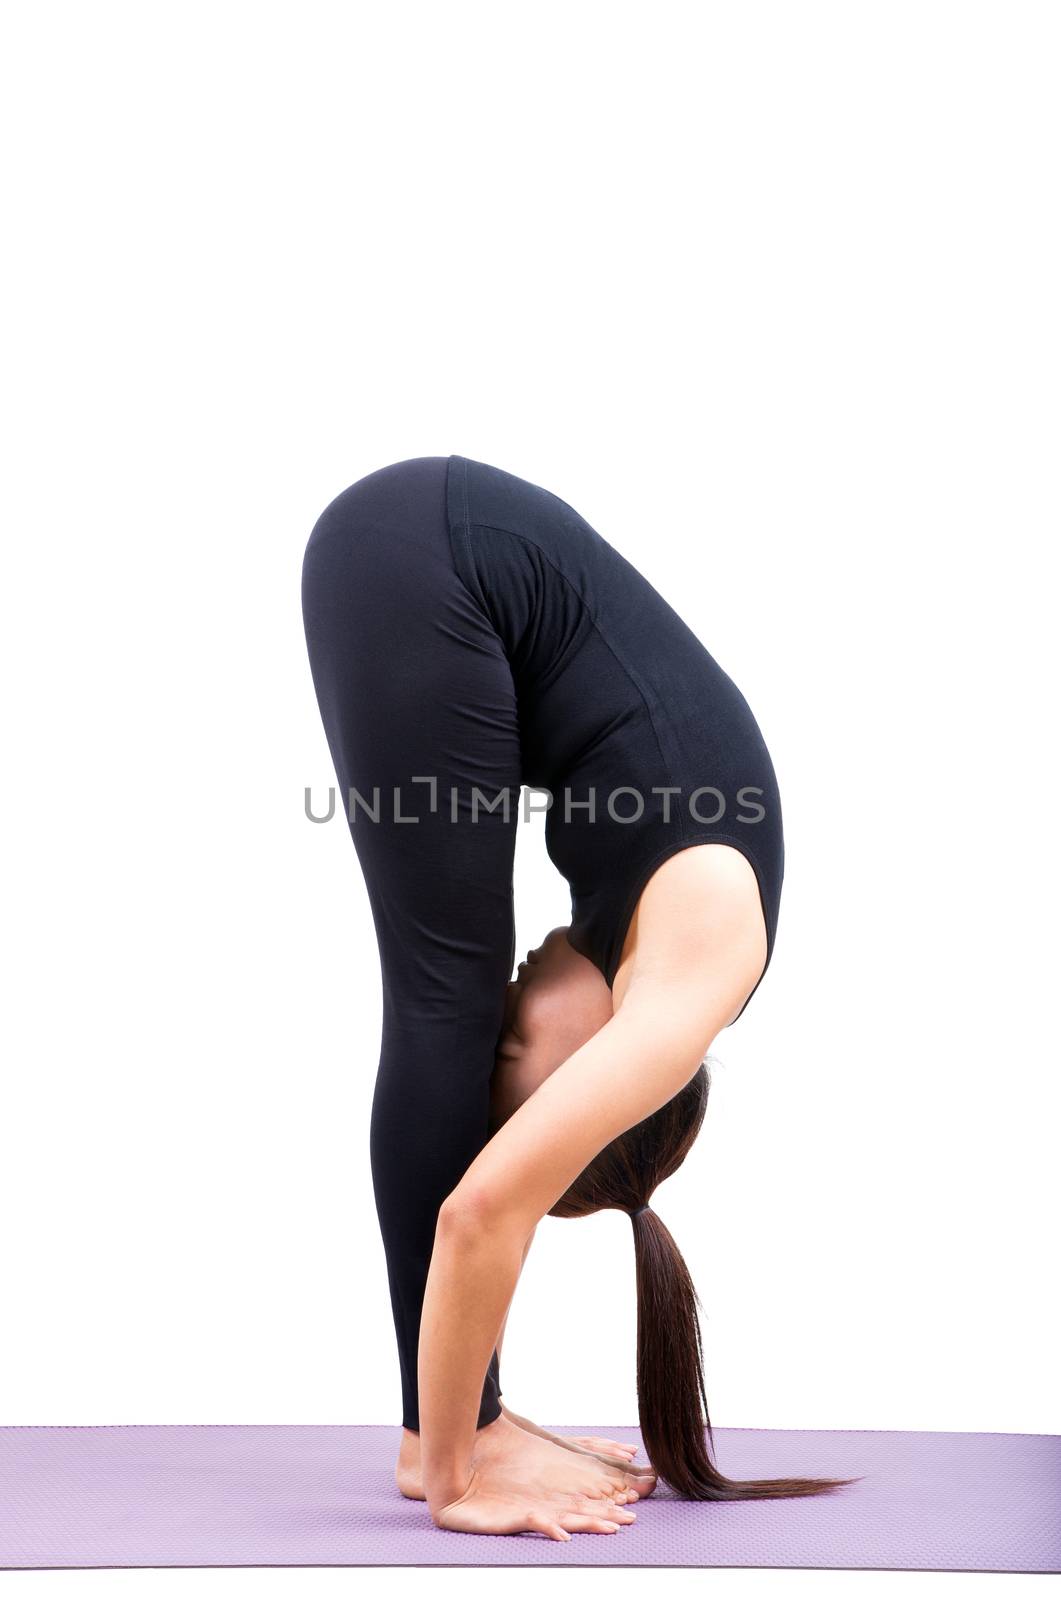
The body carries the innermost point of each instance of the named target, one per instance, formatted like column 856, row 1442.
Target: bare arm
column 693, row 972
column 508, row 1308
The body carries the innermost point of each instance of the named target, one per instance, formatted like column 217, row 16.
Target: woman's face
column 557, row 1001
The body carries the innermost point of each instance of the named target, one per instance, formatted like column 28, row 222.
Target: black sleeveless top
column 645, row 744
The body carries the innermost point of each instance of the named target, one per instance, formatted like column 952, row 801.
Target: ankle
column 409, row 1449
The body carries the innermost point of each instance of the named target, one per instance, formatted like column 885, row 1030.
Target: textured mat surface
column 323, row 1495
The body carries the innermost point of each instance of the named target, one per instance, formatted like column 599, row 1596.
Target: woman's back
column 646, row 744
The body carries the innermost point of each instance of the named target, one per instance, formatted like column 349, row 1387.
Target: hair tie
column 639, row 1210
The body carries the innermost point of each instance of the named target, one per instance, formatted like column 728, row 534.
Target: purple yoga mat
column 262, row 1495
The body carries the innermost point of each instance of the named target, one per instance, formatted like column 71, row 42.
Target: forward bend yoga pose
column 469, row 633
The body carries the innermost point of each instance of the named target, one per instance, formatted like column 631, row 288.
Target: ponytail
column 671, row 1398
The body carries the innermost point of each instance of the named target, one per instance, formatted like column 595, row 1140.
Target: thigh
column 420, row 711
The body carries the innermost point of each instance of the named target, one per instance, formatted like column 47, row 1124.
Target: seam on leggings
column 604, row 639
column 459, row 535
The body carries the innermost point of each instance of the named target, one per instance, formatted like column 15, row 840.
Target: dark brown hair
column 671, row 1399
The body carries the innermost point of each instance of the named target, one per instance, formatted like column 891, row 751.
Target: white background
column 768, row 293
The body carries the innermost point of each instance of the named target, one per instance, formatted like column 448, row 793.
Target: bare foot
column 506, row 1446
column 407, row 1474
column 520, row 1482
column 611, row 1451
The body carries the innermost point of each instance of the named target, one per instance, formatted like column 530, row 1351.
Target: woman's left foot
column 407, row 1473
column 611, row 1451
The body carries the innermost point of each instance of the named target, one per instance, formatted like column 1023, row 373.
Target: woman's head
column 558, row 1002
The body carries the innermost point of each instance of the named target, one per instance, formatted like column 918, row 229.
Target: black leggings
column 469, row 632
column 413, row 683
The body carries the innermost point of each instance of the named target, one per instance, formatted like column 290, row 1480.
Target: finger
column 578, row 1522
column 539, row 1522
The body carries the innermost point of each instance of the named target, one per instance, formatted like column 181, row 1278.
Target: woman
column 469, row 633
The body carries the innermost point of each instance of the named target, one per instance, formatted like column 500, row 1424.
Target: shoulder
column 698, row 923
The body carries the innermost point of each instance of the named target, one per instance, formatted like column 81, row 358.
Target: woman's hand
column 510, row 1441
column 493, row 1504
column 521, row 1483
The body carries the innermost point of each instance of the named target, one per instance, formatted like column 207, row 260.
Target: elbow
column 474, row 1213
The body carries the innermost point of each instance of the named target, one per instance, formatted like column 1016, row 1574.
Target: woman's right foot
column 510, row 1454
column 505, row 1450
column 523, row 1483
